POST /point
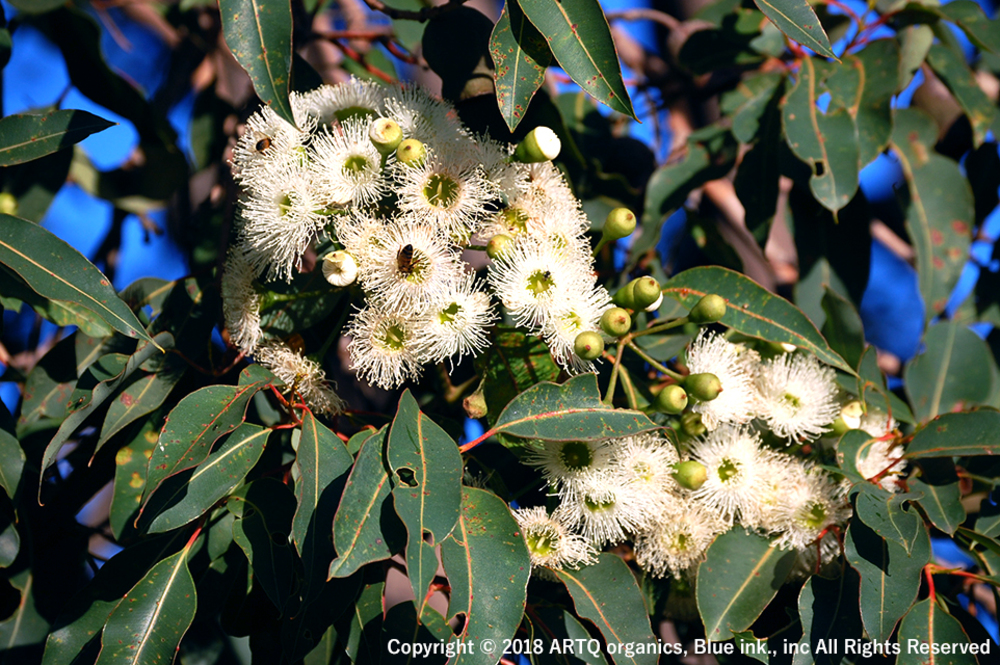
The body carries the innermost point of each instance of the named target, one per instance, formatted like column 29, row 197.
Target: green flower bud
column 691, row 424
column 540, row 145
column 411, row 152
column 625, row 296
column 588, row 345
column 703, row 387
column 646, row 292
column 616, row 322
column 8, row 204
column 690, row 475
column 709, row 309
column 849, row 418
column 498, row 244
column 620, row 223
column 385, row 135
column 475, row 404
column 672, row 399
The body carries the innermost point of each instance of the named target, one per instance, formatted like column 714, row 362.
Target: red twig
column 360, row 59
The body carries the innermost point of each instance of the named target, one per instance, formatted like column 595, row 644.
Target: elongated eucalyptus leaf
column 131, row 462
column 147, row 626
column 872, row 389
column 55, row 270
column 955, row 434
column 570, row 412
column 826, row 141
column 890, row 578
column 955, row 372
column 259, row 34
column 139, row 398
column 885, row 513
column 213, row 479
column 738, row 578
column 100, row 393
column 27, row 136
column 753, row 310
column 264, row 510
column 942, row 497
column 25, row 626
column 197, row 422
column 797, row 19
column 520, row 56
column 606, row 593
column 580, row 39
column 928, row 627
column 939, row 208
column 366, row 528
column 828, row 608
column 322, row 462
column 427, row 484
column 951, row 68
column 11, row 455
column 488, row 568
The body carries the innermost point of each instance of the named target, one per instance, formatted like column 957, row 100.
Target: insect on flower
column 263, row 144
column 404, row 260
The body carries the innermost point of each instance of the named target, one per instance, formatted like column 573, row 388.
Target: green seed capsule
column 616, row 322
column 411, row 152
column 703, row 387
column 645, row 292
column 690, row 475
column 540, row 145
column 498, row 244
column 672, row 399
column 588, row 345
column 620, row 223
column 625, row 296
column 691, row 424
column 709, row 309
column 385, row 135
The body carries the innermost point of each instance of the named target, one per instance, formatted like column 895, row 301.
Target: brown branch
column 425, row 14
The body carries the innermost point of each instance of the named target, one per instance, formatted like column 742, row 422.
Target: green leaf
column 366, row 528
column 426, row 493
column 939, row 210
column 488, row 567
column 827, row 142
column 852, row 449
column 25, row 626
column 131, row 462
column 828, row 609
column 142, row 396
column 512, row 364
column 738, row 578
column 756, row 181
column 57, row 271
column 871, row 389
column 708, row 157
column 957, row 434
column 82, row 618
column 954, row 373
column 36, row 6
column 36, row 183
column 213, row 479
column 797, row 19
column 11, row 456
column 264, row 509
column 26, row 136
column 259, row 34
column 942, row 500
column 553, row 625
column 969, row 16
column 193, row 426
column 580, row 39
column 927, row 626
column 570, row 412
column 748, row 101
column 753, row 310
column 843, row 328
column 520, row 56
column 879, row 61
column 60, row 312
column 890, row 578
column 883, row 511
column 100, row 393
column 359, row 631
column 456, row 46
column 147, row 626
column 952, row 70
column 321, row 458
column 307, row 300
column 607, row 594
column 988, row 520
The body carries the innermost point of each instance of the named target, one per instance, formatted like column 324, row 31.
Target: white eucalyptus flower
column 798, row 396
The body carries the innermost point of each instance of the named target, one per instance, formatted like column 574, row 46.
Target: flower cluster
column 391, row 180
column 671, row 497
